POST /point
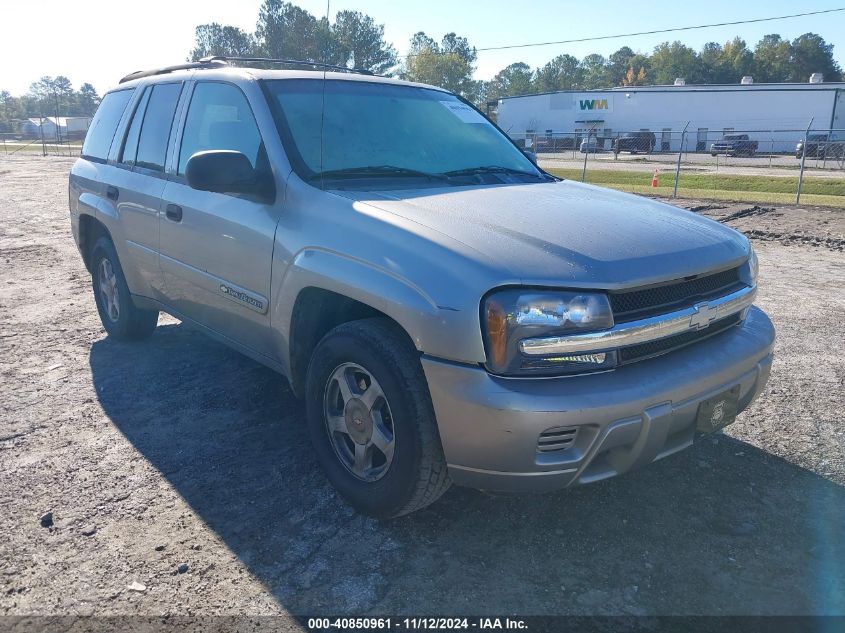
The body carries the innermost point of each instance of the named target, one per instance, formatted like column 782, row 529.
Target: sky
column 99, row 41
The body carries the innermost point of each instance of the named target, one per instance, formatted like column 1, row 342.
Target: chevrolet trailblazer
column 449, row 312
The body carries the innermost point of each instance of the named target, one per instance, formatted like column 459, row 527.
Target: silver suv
column 448, row 311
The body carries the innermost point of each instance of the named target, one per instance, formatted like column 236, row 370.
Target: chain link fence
column 47, row 136
column 776, row 165
column 760, row 165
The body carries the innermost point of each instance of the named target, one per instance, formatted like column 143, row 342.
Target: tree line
column 354, row 39
column 48, row 97
column 285, row 30
column 773, row 59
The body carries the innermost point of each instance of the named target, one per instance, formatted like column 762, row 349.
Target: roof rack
column 203, row 63
column 217, row 61
column 274, row 60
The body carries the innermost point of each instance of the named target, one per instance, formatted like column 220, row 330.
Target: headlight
column 509, row 316
column 750, row 269
column 753, row 265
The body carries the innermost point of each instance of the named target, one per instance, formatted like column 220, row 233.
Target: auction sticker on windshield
column 463, row 112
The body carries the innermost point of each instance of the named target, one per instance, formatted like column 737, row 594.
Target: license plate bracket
column 717, row 412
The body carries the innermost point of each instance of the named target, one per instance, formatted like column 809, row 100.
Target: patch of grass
column 707, row 185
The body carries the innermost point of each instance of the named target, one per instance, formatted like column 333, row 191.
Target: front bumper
column 636, row 414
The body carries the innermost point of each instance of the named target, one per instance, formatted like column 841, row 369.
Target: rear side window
column 130, row 145
column 155, row 130
column 104, row 125
column 219, row 117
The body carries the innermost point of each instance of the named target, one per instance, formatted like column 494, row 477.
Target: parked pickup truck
column 820, row 146
column 635, row 142
column 734, row 145
column 448, row 311
column 548, row 144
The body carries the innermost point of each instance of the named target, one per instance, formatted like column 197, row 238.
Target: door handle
column 174, row 212
column 112, row 193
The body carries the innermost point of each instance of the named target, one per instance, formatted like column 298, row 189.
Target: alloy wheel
column 109, row 294
column 359, row 422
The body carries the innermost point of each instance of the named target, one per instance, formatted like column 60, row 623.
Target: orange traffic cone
column 654, row 179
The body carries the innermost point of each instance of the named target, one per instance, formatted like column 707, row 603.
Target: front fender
column 436, row 330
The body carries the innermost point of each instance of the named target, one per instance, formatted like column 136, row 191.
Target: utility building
column 776, row 115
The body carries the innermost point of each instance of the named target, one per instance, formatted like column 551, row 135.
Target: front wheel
column 119, row 315
column 371, row 420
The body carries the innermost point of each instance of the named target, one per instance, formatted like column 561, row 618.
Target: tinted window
column 104, row 125
column 155, row 131
column 219, row 117
column 348, row 125
column 130, row 145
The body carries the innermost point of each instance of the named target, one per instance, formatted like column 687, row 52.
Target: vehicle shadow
column 721, row 528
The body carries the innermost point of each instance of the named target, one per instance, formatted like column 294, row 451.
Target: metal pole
column 43, row 145
column 678, row 167
column 58, row 129
column 586, row 153
column 803, row 159
column 826, row 146
column 772, row 148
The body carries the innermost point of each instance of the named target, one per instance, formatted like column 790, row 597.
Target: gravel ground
column 180, row 478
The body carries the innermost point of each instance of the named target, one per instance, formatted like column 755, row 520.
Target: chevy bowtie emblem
column 702, row 316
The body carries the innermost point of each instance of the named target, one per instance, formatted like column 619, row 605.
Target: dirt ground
column 179, row 452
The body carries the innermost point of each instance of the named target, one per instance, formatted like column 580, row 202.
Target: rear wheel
column 119, row 315
column 371, row 420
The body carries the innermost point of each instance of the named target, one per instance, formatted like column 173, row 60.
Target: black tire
column 128, row 323
column 417, row 475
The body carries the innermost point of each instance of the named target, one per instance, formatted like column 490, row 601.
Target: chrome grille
column 671, row 343
column 630, row 305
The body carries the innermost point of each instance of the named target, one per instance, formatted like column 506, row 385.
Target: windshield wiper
column 377, row 171
column 490, row 169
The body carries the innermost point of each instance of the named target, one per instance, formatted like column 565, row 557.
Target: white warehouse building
column 775, row 115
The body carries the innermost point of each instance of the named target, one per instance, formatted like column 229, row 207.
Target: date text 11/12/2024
column 420, row 623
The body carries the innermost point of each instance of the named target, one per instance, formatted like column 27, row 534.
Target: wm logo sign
column 594, row 104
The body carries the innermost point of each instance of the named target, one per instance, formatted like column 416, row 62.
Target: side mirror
column 227, row 171
column 530, row 155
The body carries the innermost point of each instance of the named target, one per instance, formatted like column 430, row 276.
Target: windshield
column 386, row 132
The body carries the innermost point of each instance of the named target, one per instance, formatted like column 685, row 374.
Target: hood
column 560, row 233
